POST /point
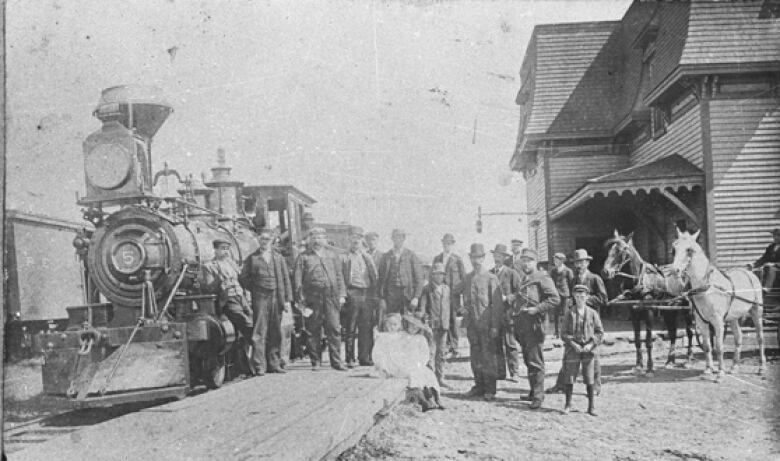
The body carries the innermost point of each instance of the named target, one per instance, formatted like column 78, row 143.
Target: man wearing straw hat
column 484, row 316
column 536, row 297
column 400, row 277
column 510, row 283
column 454, row 273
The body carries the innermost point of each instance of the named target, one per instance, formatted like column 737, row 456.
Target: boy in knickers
column 582, row 333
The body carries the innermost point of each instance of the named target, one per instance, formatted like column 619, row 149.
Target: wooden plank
column 299, row 415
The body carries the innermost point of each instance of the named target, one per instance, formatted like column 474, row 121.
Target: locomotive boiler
column 146, row 331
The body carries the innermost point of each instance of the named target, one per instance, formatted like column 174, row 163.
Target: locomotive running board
column 146, row 395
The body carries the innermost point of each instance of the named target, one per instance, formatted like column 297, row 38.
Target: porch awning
column 672, row 172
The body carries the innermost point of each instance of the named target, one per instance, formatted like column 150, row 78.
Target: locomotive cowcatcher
column 146, row 331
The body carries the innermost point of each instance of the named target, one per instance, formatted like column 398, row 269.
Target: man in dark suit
column 513, row 261
column 400, row 277
column 454, row 271
column 265, row 275
column 770, row 261
column 510, row 285
column 360, row 277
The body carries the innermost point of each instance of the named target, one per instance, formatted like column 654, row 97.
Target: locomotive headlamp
column 108, row 166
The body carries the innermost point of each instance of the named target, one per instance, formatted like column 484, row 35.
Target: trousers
column 484, row 362
column 325, row 316
column 267, row 331
column 357, row 323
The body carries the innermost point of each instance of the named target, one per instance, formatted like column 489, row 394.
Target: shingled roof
column 734, row 32
column 563, row 54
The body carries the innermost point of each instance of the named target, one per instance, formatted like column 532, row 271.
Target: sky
column 390, row 114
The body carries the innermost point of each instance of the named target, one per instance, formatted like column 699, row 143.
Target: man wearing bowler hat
column 220, row 276
column 536, row 297
column 510, row 284
column 360, row 277
column 454, row 271
column 483, row 318
column 319, row 286
column 401, row 277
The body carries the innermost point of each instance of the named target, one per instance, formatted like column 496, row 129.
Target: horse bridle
column 623, row 253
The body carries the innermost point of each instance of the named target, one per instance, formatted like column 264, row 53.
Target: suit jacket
column 598, row 292
column 435, row 307
column 770, row 256
column 510, row 282
column 249, row 275
column 410, row 270
column 562, row 279
column 538, row 290
column 454, row 272
column 346, row 266
column 482, row 301
column 315, row 274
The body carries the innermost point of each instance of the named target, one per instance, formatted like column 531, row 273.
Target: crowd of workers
column 347, row 295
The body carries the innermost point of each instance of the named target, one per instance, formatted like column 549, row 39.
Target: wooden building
column 668, row 117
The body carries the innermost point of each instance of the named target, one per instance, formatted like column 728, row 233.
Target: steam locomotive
column 146, row 331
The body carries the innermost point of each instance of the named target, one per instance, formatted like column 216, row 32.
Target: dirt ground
column 674, row 415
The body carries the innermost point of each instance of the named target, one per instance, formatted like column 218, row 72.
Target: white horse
column 718, row 298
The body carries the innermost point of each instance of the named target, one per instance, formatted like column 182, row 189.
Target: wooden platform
column 303, row 414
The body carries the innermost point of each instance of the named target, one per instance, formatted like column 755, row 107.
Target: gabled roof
column 731, row 32
column 671, row 172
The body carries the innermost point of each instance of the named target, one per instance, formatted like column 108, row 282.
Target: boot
column 591, row 403
column 569, row 388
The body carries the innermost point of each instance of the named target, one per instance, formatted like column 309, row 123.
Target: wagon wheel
column 214, row 372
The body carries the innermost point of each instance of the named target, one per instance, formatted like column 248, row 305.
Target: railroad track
column 18, row 436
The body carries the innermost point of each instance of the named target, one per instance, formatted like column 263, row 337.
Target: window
column 659, row 119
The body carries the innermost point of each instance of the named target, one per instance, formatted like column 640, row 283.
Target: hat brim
column 586, row 258
column 476, row 254
column 438, row 272
column 501, row 252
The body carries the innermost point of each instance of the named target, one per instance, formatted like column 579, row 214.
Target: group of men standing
column 504, row 307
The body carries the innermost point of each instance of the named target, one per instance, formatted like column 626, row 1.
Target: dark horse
column 642, row 280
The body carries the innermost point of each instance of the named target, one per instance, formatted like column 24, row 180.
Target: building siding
column 683, row 137
column 746, row 176
column 569, row 173
column 536, row 203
